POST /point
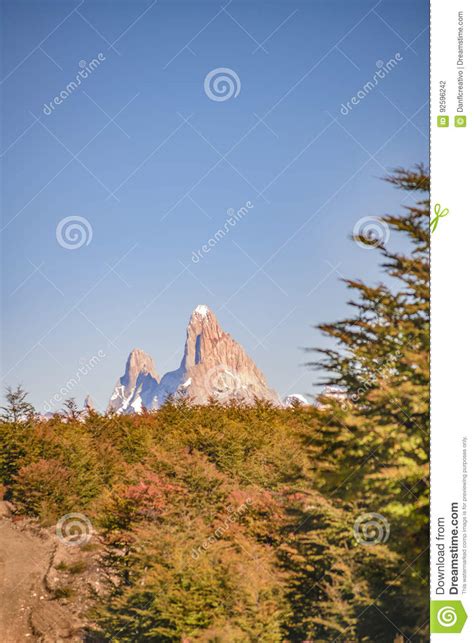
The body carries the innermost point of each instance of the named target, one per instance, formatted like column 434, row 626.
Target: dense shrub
column 42, row 488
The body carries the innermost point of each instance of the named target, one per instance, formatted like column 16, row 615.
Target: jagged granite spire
column 214, row 366
column 138, row 386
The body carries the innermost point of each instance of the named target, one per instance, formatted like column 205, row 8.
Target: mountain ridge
column 213, row 366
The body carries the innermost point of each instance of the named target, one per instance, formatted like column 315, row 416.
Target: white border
column 452, row 296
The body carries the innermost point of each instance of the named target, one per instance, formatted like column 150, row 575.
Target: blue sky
column 156, row 181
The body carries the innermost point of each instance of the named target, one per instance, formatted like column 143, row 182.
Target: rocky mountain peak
column 214, row 365
column 138, row 385
column 202, row 335
column 139, row 362
column 201, row 311
column 89, row 403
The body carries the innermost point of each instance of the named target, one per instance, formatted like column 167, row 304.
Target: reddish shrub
column 41, row 486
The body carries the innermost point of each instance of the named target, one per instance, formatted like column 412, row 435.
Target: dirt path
column 46, row 586
column 24, row 562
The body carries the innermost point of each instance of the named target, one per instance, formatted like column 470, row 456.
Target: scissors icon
column 438, row 215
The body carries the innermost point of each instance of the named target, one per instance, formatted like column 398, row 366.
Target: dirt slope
column 30, row 607
column 24, row 562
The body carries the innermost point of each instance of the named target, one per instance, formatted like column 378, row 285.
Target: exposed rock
column 89, row 404
column 214, row 366
column 138, row 386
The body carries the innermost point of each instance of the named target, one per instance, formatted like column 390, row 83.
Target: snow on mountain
column 201, row 310
column 295, row 399
column 138, row 386
column 333, row 393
